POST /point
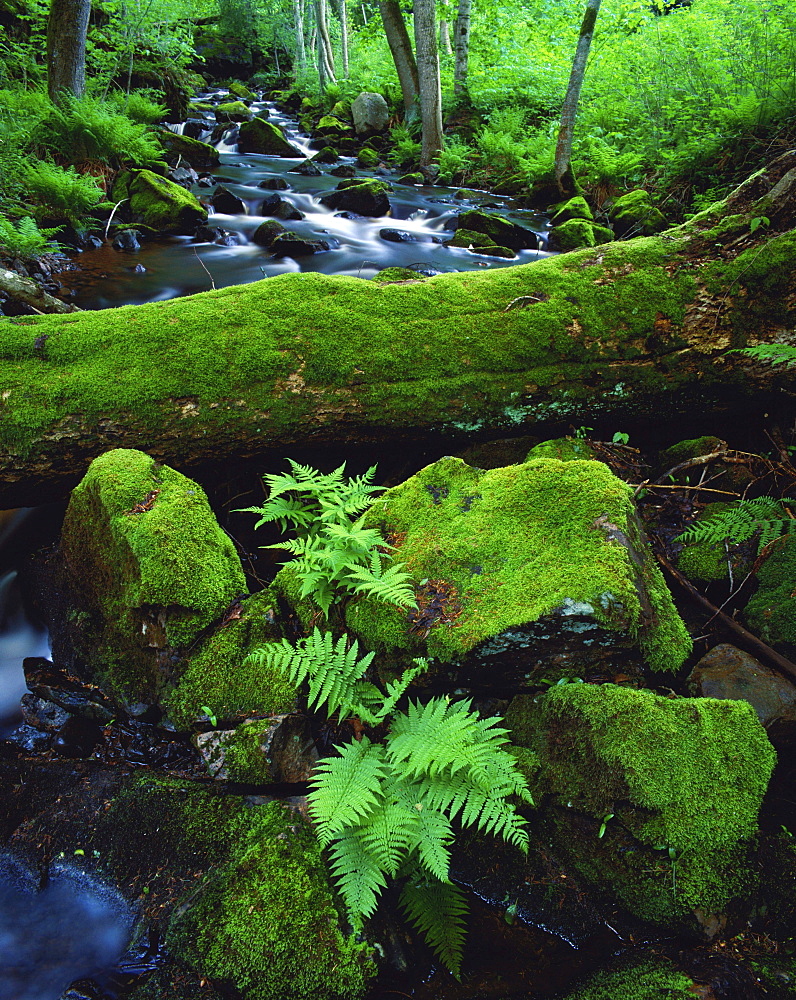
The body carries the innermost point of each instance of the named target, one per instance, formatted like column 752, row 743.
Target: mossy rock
column 260, row 136
column 201, row 107
column 326, row 155
column 412, row 179
column 641, row 790
column 389, row 275
column 219, row 678
column 501, row 231
column 635, row 214
column 278, row 748
column 771, row 612
column 365, row 197
column 268, row 231
column 690, row 448
column 566, row 449
column 367, row 158
column 241, row 91
column 526, row 552
column 572, row 235
column 331, row 125
column 160, row 203
column 733, row 477
column 258, row 912
column 466, row 238
column 233, row 111
column 148, row 569
column 653, row 978
column 200, row 155
column 705, row 561
column 574, row 208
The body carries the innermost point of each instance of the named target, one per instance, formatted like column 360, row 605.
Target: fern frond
column 347, row 789
column 436, row 834
column 396, row 688
column 738, row 524
column 392, row 829
column 392, row 585
column 774, row 354
column 438, row 910
column 358, row 876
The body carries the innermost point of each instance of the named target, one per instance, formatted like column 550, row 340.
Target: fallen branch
column 32, row 294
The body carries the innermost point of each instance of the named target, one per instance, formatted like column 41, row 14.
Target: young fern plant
column 334, row 554
column 764, row 515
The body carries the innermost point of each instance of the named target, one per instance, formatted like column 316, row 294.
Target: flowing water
column 181, row 265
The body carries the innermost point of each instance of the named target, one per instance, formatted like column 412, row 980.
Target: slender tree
column 402, row 54
column 570, row 109
column 429, row 81
column 300, row 59
column 66, row 48
column 461, row 47
column 445, row 37
column 344, row 36
column 325, row 52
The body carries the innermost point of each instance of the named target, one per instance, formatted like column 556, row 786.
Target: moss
column 261, row 136
column 469, row 237
column 574, row 208
column 566, row 449
column 367, row 157
column 160, row 203
column 691, row 448
column 501, row 231
column 390, row 274
column 635, row 212
column 683, row 778
column 200, row 155
column 153, row 578
column 240, row 90
column 330, row 123
column 572, row 235
column 651, row 979
column 217, row 676
column 233, row 111
column 326, row 155
column 518, row 542
column 771, row 612
column 705, row 560
column 262, row 920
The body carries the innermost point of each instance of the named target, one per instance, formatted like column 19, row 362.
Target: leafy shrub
column 89, row 130
column 455, row 160
column 25, row 239
column 63, row 193
column 510, row 121
column 406, row 150
column 139, row 107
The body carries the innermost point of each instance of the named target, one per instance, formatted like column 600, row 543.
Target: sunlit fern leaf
column 358, row 875
column 392, row 585
column 433, row 846
column 395, row 689
column 391, row 830
column 438, row 910
column 739, row 523
column 774, row 354
column 345, row 790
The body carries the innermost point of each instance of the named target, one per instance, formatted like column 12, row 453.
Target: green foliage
column 406, row 150
column 140, row 107
column 764, row 515
column 387, row 811
column 63, row 193
column 455, row 160
column 773, row 354
column 334, row 674
column 90, row 130
column 335, row 555
column 25, row 239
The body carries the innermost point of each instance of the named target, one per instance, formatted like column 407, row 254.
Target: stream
column 170, row 266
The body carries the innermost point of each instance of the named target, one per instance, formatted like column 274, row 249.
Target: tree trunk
column 402, row 54
column 570, row 109
column 32, row 294
column 635, row 330
column 344, row 36
column 445, row 37
column 300, row 61
column 462, row 48
column 66, row 48
column 325, row 52
column 428, row 79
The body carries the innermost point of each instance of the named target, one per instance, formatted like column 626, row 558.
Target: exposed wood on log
column 32, row 294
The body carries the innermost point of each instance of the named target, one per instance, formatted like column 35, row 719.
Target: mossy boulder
column 159, row 203
column 370, row 113
column 257, row 911
column 365, row 197
column 265, row 234
column 654, row 978
column 574, row 208
column 523, row 566
column 219, row 677
column 414, row 178
column 706, row 561
column 577, row 233
column 241, row 91
column 367, row 158
column 200, row 155
column 326, row 155
column 479, row 243
column 502, row 232
column 233, row 111
column 261, row 136
column 653, row 799
column 634, row 214
column 330, row 125
column 260, row 751
column 566, row 449
column 148, row 569
column 771, row 612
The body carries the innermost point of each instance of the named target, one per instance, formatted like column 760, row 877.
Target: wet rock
column 344, row 170
column 630, row 782
column 200, row 155
column 367, row 197
column 326, row 155
column 206, row 182
column 52, row 685
column 352, row 216
column 577, row 233
column 222, row 237
column 158, row 202
column 260, row 136
column 261, row 751
column 425, row 270
column 634, row 215
column 184, row 176
column 274, row 184
column 367, row 158
column 224, row 201
column 727, row 672
column 401, row 236
column 195, row 128
column 290, row 244
column 267, row 232
column 147, row 569
column 413, row 178
column 502, row 232
column 126, row 240
column 546, row 572
column 370, row 113
column 41, row 714
column 279, row 208
column 31, row 739
column 233, row 111
column 306, row 169
column 76, row 738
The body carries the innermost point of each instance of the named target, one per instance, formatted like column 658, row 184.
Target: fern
column 438, row 909
column 765, row 515
column 26, row 239
column 334, row 555
column 773, row 354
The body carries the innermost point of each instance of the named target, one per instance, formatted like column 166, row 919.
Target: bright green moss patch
column 148, row 563
column 683, row 779
column 771, row 612
column 218, row 678
column 705, row 560
column 653, row 979
column 566, row 449
column 160, row 203
column 519, row 542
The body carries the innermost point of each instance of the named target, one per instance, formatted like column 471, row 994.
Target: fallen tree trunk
column 627, row 329
column 32, row 294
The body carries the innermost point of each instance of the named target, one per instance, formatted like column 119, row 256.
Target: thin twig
column 736, row 458
column 677, row 486
column 110, row 217
column 210, row 276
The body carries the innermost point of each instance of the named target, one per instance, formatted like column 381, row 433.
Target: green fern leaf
column 741, row 522
column 358, row 876
column 346, row 789
column 438, row 910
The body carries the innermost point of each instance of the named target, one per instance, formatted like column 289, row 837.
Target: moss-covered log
column 640, row 327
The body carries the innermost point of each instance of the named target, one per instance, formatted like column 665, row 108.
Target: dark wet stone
column 306, row 169
column 184, row 176
column 224, row 201
column 351, row 216
column 41, row 714
column 126, row 240
column 195, row 128
column 267, row 232
column 208, row 234
column 77, row 738
column 291, row 245
column 344, row 170
column 137, row 269
column 277, row 207
column 206, row 182
column 426, row 270
column 85, row 989
column 58, row 687
column 368, row 197
column 274, row 184
column 400, row 236
column 30, row 739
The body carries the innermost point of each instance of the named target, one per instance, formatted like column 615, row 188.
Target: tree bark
column 445, row 37
column 325, row 52
column 344, row 36
column 66, row 48
column 462, row 48
column 402, row 54
column 429, row 84
column 32, row 294
column 635, row 330
column 300, row 60
column 570, row 108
